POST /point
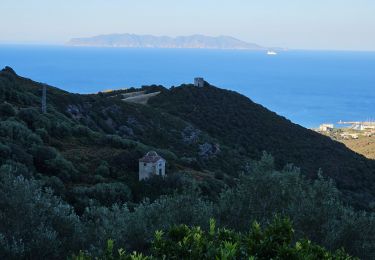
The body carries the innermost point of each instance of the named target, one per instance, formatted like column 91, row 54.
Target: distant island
column 151, row 41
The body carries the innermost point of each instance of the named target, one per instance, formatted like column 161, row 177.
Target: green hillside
column 87, row 140
column 250, row 129
column 204, row 129
column 197, row 129
column 69, row 177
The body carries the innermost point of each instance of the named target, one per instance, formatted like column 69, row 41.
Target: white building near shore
column 326, row 127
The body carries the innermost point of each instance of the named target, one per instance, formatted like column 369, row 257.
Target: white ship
column 271, row 53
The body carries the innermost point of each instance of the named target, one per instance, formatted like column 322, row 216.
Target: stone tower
column 199, row 82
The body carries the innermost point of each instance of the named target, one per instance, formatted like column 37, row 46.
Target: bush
column 274, row 242
column 135, row 230
column 18, row 133
column 184, row 242
column 49, row 161
column 7, row 110
column 43, row 122
column 43, row 134
column 43, row 153
column 62, row 168
column 55, row 184
column 61, row 130
column 83, row 131
column 106, row 194
column 103, row 169
column 315, row 207
column 34, row 224
column 117, row 142
column 19, row 154
column 29, row 116
column 15, row 168
column 5, row 151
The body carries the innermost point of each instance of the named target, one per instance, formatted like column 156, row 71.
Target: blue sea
column 307, row 87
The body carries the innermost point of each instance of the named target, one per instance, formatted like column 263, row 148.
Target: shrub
column 43, row 153
column 83, row 131
column 103, row 169
column 43, row 134
column 5, row 151
column 15, row 168
column 62, row 168
column 43, row 122
column 29, row 116
column 184, row 242
column 49, row 161
column 135, row 230
column 55, row 184
column 274, row 242
column 7, row 110
column 34, row 224
column 19, row 154
column 18, row 133
column 106, row 194
column 61, row 130
column 315, row 207
column 117, row 142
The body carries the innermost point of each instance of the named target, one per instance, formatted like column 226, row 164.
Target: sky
column 294, row 24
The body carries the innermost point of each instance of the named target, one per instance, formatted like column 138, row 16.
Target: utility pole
column 44, row 99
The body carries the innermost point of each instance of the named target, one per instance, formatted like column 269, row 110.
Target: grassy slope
column 363, row 145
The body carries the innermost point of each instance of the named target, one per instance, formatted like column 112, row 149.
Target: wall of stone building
column 146, row 170
column 199, row 82
column 160, row 167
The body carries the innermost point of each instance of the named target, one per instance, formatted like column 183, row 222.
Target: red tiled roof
column 151, row 157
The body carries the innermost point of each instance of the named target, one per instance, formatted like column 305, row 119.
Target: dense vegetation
column 183, row 242
column 36, row 224
column 250, row 129
column 68, row 178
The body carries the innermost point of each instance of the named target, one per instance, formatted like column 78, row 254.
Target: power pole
column 44, row 99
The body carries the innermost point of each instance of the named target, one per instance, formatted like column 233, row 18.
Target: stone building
column 151, row 164
column 199, row 82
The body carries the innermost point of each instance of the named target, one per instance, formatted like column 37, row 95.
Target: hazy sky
column 307, row 24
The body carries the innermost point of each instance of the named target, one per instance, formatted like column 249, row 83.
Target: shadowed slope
column 250, row 129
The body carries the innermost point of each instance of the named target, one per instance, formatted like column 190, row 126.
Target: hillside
column 210, row 133
column 69, row 177
column 87, row 141
column 250, row 129
column 150, row 41
column 363, row 143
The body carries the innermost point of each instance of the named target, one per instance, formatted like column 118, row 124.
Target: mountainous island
column 254, row 183
column 151, row 41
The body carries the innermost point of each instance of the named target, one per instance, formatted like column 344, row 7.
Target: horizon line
column 280, row 49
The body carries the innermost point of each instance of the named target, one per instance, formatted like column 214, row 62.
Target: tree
column 34, row 224
column 7, row 110
column 184, row 242
column 19, row 133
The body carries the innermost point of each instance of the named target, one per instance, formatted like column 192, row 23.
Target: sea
column 307, row 87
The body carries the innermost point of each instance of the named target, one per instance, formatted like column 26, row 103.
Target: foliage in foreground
column 183, row 242
column 35, row 224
